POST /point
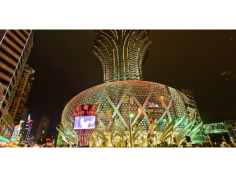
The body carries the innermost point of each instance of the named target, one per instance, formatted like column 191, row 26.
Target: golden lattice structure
column 121, row 53
column 159, row 112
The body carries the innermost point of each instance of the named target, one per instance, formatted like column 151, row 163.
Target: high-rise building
column 21, row 95
column 129, row 110
column 24, row 117
column 21, row 134
column 43, row 129
column 15, row 47
column 27, row 129
column 52, row 134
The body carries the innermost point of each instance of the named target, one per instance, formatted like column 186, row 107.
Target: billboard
column 84, row 122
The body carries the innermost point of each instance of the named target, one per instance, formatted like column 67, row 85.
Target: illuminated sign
column 85, row 109
column 47, row 139
column 84, row 122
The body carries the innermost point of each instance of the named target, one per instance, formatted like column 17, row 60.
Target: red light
column 86, row 107
column 78, row 108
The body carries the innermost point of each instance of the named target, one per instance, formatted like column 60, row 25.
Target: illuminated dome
column 112, row 98
column 158, row 112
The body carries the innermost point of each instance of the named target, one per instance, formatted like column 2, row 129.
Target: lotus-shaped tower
column 131, row 112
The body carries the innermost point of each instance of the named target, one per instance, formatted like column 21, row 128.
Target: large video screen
column 84, row 122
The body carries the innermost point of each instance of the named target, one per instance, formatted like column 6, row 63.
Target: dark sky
column 65, row 65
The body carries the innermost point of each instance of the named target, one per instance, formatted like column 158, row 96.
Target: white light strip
column 3, row 36
column 0, row 44
column 0, row 82
column 1, row 87
column 16, row 67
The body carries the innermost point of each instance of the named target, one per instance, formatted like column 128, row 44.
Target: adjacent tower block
column 15, row 47
column 21, row 95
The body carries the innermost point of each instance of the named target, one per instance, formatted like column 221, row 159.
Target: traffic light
column 175, row 139
column 188, row 139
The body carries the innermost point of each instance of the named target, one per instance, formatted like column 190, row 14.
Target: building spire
column 122, row 53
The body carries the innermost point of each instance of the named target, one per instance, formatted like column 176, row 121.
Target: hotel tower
column 15, row 47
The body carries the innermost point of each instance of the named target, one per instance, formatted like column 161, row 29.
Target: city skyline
column 171, row 62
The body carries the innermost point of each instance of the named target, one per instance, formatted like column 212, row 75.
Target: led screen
column 84, row 122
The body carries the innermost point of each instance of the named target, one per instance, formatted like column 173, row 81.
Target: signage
column 85, row 110
column 84, row 122
column 50, row 144
column 47, row 139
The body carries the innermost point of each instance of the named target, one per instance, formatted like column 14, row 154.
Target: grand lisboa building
column 130, row 112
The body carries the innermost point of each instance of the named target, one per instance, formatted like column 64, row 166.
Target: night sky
column 65, row 65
